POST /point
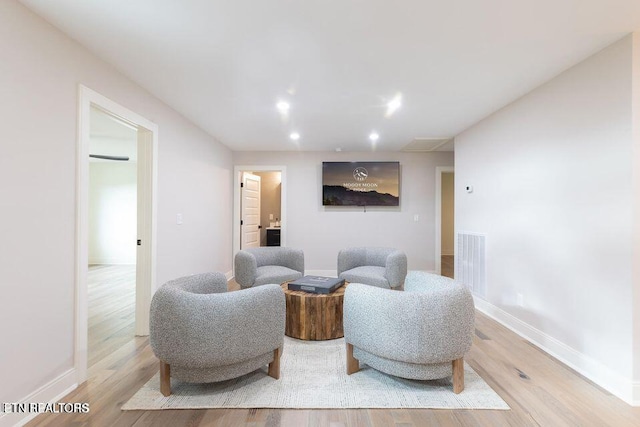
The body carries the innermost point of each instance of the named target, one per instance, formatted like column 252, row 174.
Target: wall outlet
column 179, row 219
column 520, row 300
column 416, row 217
column 270, row 217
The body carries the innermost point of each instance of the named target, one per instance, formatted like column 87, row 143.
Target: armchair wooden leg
column 165, row 379
column 458, row 375
column 353, row 365
column 274, row 367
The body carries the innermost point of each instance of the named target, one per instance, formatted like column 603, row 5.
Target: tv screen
column 361, row 183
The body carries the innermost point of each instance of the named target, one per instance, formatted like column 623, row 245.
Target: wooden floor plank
column 540, row 390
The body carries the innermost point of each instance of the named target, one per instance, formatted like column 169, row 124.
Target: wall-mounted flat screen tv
column 361, row 183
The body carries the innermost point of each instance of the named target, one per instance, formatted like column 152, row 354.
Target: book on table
column 316, row 284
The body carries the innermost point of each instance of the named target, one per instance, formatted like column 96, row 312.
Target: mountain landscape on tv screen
column 337, row 195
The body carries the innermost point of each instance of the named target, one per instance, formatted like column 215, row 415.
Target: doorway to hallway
column 445, row 221
column 141, row 243
column 113, row 231
column 260, row 215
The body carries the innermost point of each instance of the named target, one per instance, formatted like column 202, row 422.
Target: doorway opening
column 115, row 224
column 259, row 207
column 445, row 226
column 113, row 186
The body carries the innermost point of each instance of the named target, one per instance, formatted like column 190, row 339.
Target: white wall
column 112, row 212
column 322, row 231
column 552, row 178
column 38, row 104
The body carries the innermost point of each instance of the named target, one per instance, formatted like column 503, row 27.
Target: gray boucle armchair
column 381, row 267
column 259, row 266
column 202, row 333
column 422, row 333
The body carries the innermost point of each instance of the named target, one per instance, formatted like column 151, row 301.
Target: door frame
column 438, row 232
column 237, row 179
column 147, row 229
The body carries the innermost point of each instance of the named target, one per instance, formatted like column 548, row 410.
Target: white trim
column 635, row 125
column 51, row 392
column 438, row 231
column 325, row 273
column 334, row 273
column 237, row 178
column 147, row 224
column 229, row 275
column 635, row 393
column 148, row 133
column 600, row 374
column 110, row 261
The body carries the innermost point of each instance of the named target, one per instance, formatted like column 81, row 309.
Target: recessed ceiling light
column 283, row 106
column 394, row 104
column 373, row 136
column 294, row 136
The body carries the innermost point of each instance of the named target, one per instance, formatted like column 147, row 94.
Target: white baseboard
column 229, row 275
column 334, row 273
column 112, row 261
column 48, row 393
column 600, row 374
column 326, row 273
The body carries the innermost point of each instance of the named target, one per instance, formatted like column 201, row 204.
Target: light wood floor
column 540, row 390
column 112, row 293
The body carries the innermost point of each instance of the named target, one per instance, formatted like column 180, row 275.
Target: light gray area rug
column 313, row 376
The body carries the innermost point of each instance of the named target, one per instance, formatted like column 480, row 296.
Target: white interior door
column 250, row 206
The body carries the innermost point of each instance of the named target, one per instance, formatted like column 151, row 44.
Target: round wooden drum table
column 314, row 316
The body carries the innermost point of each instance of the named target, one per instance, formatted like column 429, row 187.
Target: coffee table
column 314, row 317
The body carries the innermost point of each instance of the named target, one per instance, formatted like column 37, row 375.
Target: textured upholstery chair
column 259, row 266
column 202, row 333
column 422, row 333
column 381, row 267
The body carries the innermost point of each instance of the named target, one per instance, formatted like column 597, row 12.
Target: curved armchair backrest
column 247, row 262
column 193, row 328
column 357, row 257
column 393, row 260
column 245, row 268
column 413, row 327
column 204, row 283
column 285, row 257
column 377, row 256
column 421, row 281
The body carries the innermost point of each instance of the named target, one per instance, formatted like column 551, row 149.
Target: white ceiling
column 225, row 63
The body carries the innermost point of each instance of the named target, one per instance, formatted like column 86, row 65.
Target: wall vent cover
column 470, row 262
